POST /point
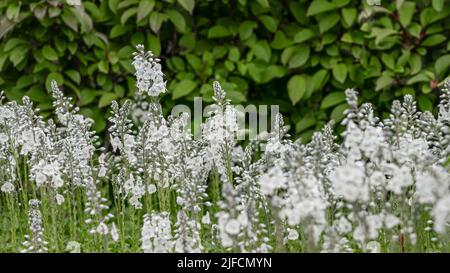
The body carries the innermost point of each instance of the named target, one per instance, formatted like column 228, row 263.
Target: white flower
column 232, row 227
column 73, row 247
column 206, row 219
column 401, row 178
column 7, row 187
column 344, row 226
column 74, row 2
column 59, row 199
column 292, row 234
column 40, row 179
column 151, row 188
column 441, row 214
column 102, row 229
column 349, row 181
column 114, row 232
column 373, row 247
column 272, row 181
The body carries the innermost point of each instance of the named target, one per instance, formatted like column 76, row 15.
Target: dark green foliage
column 298, row 54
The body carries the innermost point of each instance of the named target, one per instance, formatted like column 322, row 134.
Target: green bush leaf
column 177, row 19
column 319, row 6
column 296, row 88
column 434, row 40
column 340, row 72
column 106, row 99
column 438, row 5
column 383, row 81
column 144, row 9
column 262, row 50
column 442, row 64
column 49, row 53
column 269, row 22
column 218, row 31
column 338, row 112
column 73, row 75
column 246, row 29
column 280, row 41
column 234, row 54
column 187, row 5
column 156, row 20
column 326, row 22
column 332, row 99
column 406, row 12
column 304, row 35
column 183, row 88
column 304, row 124
column 349, row 15
column 299, row 57
column 425, row 104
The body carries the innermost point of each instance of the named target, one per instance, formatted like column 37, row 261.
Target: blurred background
column 300, row 54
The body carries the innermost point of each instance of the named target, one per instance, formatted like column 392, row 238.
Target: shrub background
column 298, row 54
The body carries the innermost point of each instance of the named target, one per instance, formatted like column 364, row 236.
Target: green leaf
column 187, row 5
column 421, row 77
column 332, row 99
column 234, row 54
column 103, row 66
column 280, row 41
column 106, row 99
column 438, row 5
column 54, row 76
column 304, row 124
column 118, row 30
column 183, row 88
column 246, row 29
column 298, row 11
column 263, row 3
column 319, row 79
column 273, row 71
column 415, row 62
column 156, row 20
column 73, row 75
column 388, row 60
column 349, row 15
column 218, row 31
column 177, row 19
column 127, row 14
column 442, row 64
column 25, row 81
column 383, row 82
column 425, row 104
column 304, row 35
column 406, row 13
column 262, row 50
column 144, row 9
column 194, row 61
column 154, row 44
column 296, row 88
column 380, row 34
column 49, row 53
column 319, row 6
column 340, row 72
column 326, row 22
column 12, row 43
column 13, row 11
column 433, row 40
column 269, row 22
column 300, row 56
column 338, row 112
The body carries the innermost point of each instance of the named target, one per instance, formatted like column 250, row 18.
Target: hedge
column 301, row 55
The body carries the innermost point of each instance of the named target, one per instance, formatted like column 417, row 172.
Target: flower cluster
column 384, row 185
